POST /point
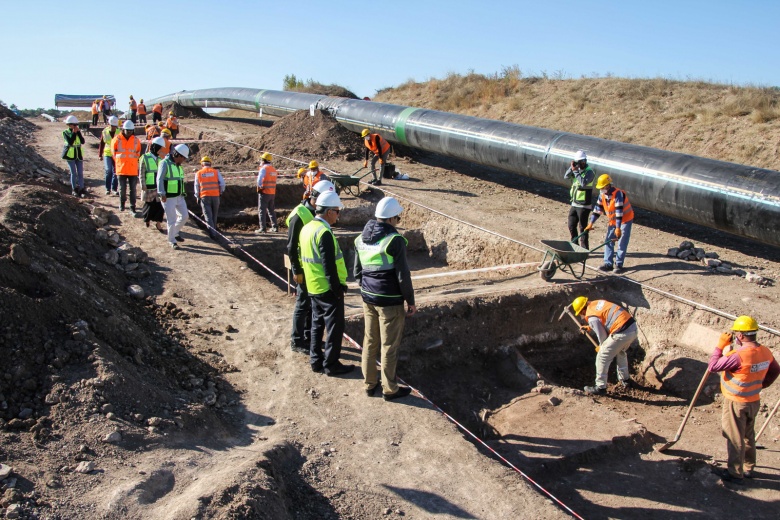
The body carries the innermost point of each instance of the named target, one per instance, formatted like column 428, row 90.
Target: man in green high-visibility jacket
column 325, row 273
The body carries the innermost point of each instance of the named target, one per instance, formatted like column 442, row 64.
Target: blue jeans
column 110, row 170
column 622, row 245
column 76, row 175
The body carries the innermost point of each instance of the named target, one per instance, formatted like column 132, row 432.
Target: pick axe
column 567, row 310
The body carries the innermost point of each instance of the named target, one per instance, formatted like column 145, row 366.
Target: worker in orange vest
column 311, row 177
column 172, row 124
column 380, row 148
column 745, row 370
column 133, row 110
column 141, row 112
column 266, row 193
column 165, row 134
column 616, row 330
column 126, row 148
column 613, row 203
column 152, row 131
column 157, row 113
column 95, row 112
column 209, row 185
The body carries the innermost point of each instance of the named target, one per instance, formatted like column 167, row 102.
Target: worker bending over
column 380, row 148
column 616, row 330
column 745, row 370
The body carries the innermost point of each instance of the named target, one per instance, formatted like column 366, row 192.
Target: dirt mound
column 327, row 90
column 180, row 111
column 320, row 137
column 6, row 112
column 87, row 363
column 17, row 158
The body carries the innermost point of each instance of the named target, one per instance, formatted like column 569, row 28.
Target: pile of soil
column 180, row 111
column 17, row 158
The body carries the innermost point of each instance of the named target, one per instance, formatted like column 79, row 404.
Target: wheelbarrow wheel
column 547, row 270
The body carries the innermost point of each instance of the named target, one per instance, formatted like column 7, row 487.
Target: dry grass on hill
column 736, row 124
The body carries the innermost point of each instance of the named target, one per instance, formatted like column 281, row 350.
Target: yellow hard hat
column 104, row 97
column 142, row 100
column 161, row 123
column 170, row 113
column 364, row 133
column 604, row 181
column 301, row 171
column 131, row 96
column 147, row 125
column 206, row 158
column 314, row 164
column 167, row 132
column 267, row 157
column 578, row 304
column 745, row 324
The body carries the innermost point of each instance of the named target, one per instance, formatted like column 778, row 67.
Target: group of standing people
column 320, row 273
column 584, row 211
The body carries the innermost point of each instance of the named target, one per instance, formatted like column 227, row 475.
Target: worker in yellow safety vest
column 325, row 273
column 170, row 186
column 302, row 214
column 616, row 330
column 745, row 369
column 104, row 151
column 73, row 153
column 209, row 185
column 152, row 210
column 126, row 149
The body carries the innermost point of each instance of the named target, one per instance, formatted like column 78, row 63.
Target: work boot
column 625, row 385
column 595, row 390
column 618, row 270
column 403, row 391
column 725, row 476
column 605, row 268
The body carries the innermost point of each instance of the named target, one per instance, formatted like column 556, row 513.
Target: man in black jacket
column 385, row 284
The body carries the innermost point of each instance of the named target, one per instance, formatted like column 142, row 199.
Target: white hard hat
column 388, row 207
column 113, row 121
column 182, row 150
column 128, row 125
column 323, row 187
column 159, row 141
column 329, row 199
column 580, row 156
column 71, row 120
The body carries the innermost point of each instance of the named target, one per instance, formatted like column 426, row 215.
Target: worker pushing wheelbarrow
column 347, row 182
column 564, row 255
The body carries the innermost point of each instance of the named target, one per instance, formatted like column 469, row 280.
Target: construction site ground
column 217, row 418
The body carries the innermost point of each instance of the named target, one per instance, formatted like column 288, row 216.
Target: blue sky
column 150, row 49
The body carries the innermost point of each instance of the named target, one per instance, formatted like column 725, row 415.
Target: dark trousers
column 578, row 219
column 133, row 117
column 95, row 119
column 142, row 118
column 174, row 133
column 301, row 328
column 156, row 117
column 124, row 180
column 328, row 317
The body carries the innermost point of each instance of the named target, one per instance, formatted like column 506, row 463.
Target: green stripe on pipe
column 257, row 100
column 400, row 124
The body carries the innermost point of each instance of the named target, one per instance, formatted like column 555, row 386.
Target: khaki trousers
column 739, row 429
column 384, row 329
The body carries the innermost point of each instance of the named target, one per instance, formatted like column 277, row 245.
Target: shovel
column 566, row 310
column 687, row 414
column 771, row 414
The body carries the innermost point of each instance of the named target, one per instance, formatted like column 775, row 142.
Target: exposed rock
column 685, row 253
column 712, row 254
column 19, row 255
column 673, row 252
column 712, row 262
column 755, row 278
column 111, row 257
column 686, row 244
column 87, row 466
column 114, row 436
column 5, row 471
column 136, row 291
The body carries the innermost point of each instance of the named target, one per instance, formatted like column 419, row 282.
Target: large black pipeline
column 739, row 199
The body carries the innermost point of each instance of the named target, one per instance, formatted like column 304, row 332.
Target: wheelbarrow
column 348, row 183
column 564, row 255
